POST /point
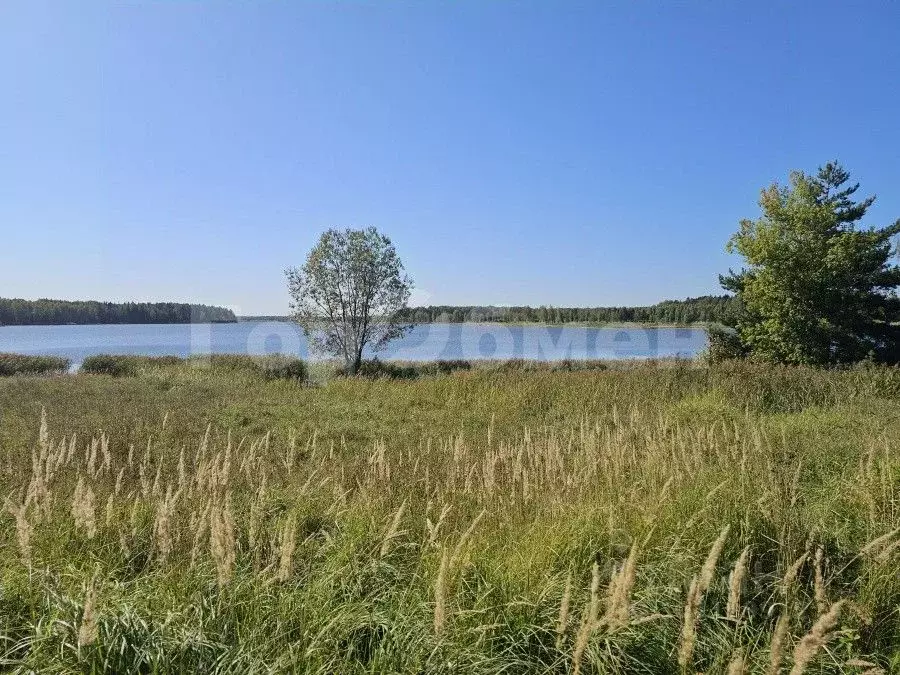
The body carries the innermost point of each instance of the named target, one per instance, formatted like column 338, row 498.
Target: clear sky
column 516, row 152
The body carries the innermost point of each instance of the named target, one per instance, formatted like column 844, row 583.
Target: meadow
column 499, row 518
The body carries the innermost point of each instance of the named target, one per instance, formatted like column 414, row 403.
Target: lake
column 424, row 342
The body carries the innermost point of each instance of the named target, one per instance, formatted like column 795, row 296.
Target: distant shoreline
column 511, row 324
column 49, row 312
column 115, row 323
column 552, row 324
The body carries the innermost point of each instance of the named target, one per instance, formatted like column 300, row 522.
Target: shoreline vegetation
column 286, row 367
column 45, row 312
column 667, row 314
column 705, row 310
column 680, row 518
column 560, row 324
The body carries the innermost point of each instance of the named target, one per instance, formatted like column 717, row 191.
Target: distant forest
column 723, row 309
column 15, row 312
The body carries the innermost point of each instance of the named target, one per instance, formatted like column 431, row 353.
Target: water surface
column 423, row 342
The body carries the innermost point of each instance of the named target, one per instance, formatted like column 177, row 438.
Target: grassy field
column 637, row 519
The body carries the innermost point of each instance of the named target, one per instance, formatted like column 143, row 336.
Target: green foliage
column 724, row 309
column 349, row 294
column 535, row 366
column 817, row 289
column 411, row 370
column 723, row 344
column 406, row 370
column 124, row 365
column 16, row 312
column 267, row 367
column 22, row 364
column 280, row 367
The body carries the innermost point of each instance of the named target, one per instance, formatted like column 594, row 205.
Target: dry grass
column 481, row 521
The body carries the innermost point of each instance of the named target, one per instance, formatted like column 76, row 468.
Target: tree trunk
column 352, row 365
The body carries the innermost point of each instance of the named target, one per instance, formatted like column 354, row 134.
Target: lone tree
column 349, row 294
column 817, row 289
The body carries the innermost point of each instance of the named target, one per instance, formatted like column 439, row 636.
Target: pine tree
column 817, row 289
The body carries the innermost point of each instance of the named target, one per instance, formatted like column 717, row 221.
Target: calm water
column 424, row 342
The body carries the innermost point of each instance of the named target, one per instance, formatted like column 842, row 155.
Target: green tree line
column 17, row 312
column 724, row 309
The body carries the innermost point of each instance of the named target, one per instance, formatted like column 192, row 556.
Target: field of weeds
column 641, row 519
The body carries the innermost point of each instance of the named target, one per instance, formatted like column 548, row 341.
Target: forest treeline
column 17, row 312
column 722, row 309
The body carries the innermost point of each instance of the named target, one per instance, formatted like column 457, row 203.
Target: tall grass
column 618, row 521
column 22, row 364
column 268, row 367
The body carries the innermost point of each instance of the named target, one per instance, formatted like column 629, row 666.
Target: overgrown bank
column 620, row 520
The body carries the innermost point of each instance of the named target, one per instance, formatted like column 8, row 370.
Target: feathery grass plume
column 588, row 622
column 735, row 584
column 110, row 508
column 162, row 536
column 810, row 644
column 392, row 531
column 156, row 490
column 118, row 488
column 23, row 531
column 288, row 544
column 134, row 518
column 88, row 630
column 737, row 665
column 38, row 492
column 870, row 668
column 200, row 529
column 878, row 542
column 699, row 585
column 73, row 444
column 664, row 491
column 104, row 451
column 860, row 663
column 619, row 601
column 689, row 626
column 253, row 526
column 463, row 540
column 83, row 512
column 564, row 604
column 709, row 565
column 60, row 457
column 92, row 457
column 777, row 643
column 221, row 540
column 819, row 581
column 887, row 552
column 439, row 593
column 434, row 530
column 790, row 576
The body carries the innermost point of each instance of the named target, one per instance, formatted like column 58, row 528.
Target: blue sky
column 516, row 152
